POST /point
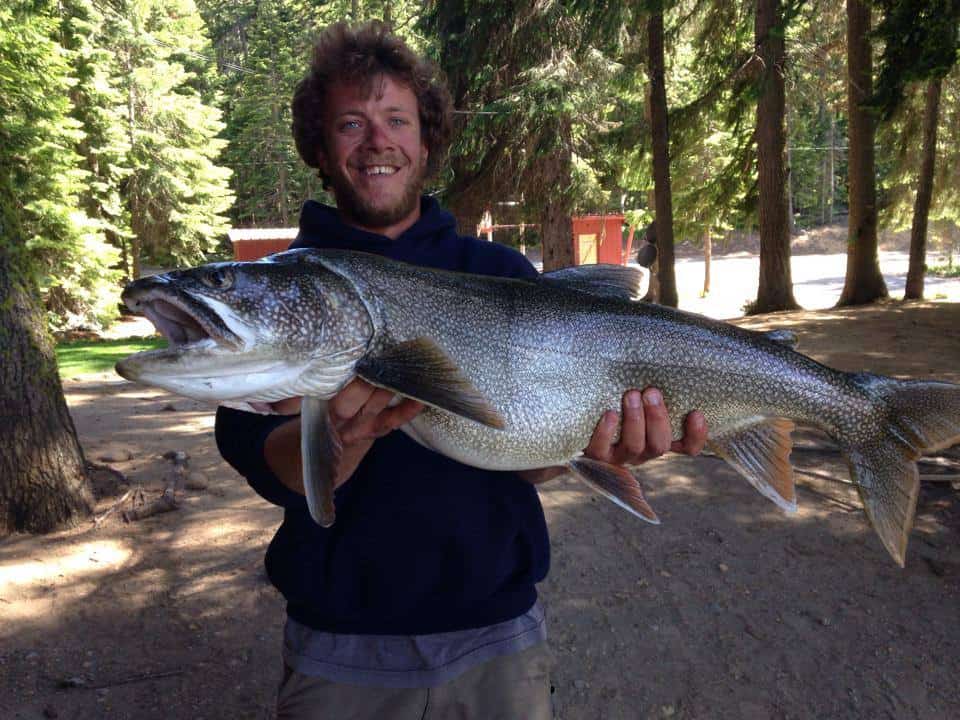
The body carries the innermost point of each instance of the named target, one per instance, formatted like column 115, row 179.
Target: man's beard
column 352, row 205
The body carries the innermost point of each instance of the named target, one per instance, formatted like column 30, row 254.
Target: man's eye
column 398, row 121
column 350, row 125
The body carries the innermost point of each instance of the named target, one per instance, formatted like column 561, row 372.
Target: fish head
column 254, row 331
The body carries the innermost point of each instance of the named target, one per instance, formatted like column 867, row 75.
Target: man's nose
column 378, row 138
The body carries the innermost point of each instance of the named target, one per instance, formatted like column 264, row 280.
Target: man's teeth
column 379, row 170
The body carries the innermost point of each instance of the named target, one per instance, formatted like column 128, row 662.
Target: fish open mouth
column 184, row 322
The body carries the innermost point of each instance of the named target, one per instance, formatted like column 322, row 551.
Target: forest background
column 139, row 131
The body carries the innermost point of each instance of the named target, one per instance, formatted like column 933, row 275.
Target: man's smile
column 379, row 170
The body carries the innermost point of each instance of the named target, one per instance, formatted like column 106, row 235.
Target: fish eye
column 218, row 279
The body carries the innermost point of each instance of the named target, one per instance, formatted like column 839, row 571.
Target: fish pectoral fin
column 613, row 281
column 421, row 370
column 616, row 483
column 761, row 453
column 320, row 450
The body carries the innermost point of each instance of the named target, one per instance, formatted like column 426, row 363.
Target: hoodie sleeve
column 240, row 438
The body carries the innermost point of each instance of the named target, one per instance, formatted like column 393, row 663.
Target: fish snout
column 136, row 292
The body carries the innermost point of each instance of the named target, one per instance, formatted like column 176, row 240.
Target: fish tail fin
column 914, row 417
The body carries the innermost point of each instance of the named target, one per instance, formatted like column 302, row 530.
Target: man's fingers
column 601, row 442
column 362, row 425
column 396, row 416
column 348, row 402
column 694, row 435
column 633, row 430
column 659, row 433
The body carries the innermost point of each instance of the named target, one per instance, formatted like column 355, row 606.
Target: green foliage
column 65, row 249
column 176, row 192
column 534, row 96
column 82, row 357
column 920, row 41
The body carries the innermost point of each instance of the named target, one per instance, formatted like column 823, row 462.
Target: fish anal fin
column 760, row 451
column 320, row 451
column 616, row 483
column 421, row 370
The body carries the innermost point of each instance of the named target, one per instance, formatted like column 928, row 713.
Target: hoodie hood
column 322, row 227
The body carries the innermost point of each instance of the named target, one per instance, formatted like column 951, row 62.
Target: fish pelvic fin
column 916, row 416
column 421, row 370
column 616, row 483
column 760, row 451
column 320, row 451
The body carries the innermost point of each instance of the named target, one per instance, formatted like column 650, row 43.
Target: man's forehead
column 379, row 87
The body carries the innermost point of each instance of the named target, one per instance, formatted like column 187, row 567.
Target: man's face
column 374, row 155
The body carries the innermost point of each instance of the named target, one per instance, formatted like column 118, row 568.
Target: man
column 420, row 601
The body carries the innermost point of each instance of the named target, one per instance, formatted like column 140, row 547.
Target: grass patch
column 949, row 271
column 80, row 357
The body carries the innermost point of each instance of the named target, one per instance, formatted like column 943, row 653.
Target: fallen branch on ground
column 98, row 520
column 168, row 499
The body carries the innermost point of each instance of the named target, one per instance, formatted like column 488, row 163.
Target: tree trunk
column 864, row 281
column 775, row 289
column 707, row 256
column 832, row 167
column 791, row 211
column 556, row 225
column 43, row 483
column 921, row 208
column 663, row 216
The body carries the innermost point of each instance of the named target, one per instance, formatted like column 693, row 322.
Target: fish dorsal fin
column 614, row 281
column 760, row 451
column 419, row 369
column 782, row 337
column 616, row 483
column 320, row 450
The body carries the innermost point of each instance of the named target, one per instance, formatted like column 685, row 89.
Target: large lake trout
column 515, row 373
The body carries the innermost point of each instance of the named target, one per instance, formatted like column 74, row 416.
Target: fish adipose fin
column 613, row 281
column 320, row 450
column 919, row 416
column 616, row 483
column 760, row 452
column 419, row 369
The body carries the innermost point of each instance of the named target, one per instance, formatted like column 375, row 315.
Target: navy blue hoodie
column 421, row 544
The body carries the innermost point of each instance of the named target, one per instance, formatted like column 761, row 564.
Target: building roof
column 241, row 234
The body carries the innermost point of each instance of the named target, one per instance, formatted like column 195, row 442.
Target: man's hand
column 359, row 413
column 644, row 433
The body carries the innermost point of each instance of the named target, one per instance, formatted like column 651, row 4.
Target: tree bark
column 556, row 225
column 775, row 289
column 663, row 216
column 43, row 482
column 707, row 256
column 921, row 208
column 864, row 281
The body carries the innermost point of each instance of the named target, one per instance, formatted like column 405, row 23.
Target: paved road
column 818, row 281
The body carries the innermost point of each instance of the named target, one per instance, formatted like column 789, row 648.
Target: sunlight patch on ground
column 30, row 589
column 96, row 557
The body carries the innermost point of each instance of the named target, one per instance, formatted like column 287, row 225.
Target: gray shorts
column 510, row 687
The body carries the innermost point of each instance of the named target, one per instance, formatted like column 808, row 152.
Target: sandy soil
column 729, row 609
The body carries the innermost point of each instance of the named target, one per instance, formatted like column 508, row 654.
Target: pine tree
column 42, row 472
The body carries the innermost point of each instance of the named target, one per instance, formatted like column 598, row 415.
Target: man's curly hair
column 358, row 54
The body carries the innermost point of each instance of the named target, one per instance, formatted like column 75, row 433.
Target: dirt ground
column 729, row 609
